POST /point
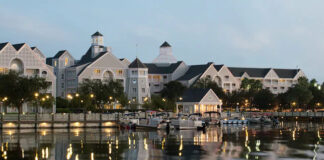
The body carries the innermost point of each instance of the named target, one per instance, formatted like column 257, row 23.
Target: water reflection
column 287, row 140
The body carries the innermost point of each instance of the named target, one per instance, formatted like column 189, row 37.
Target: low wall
column 58, row 120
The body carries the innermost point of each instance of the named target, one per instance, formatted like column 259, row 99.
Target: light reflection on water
column 287, row 140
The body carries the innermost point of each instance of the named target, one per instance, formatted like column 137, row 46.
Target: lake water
column 286, row 141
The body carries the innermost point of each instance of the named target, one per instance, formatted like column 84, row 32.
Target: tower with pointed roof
column 165, row 55
column 97, row 39
column 137, row 88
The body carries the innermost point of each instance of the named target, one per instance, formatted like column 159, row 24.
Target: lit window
column 66, row 62
column 55, row 63
column 97, row 71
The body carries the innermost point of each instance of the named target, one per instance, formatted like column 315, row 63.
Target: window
column 143, row 90
column 62, row 76
column 97, row 71
column 55, row 63
column 142, row 72
column 134, row 90
column 233, row 84
column 120, row 72
column 134, row 72
column 164, row 77
column 275, row 88
column 226, row 77
column 66, row 61
column 62, row 85
column 282, row 88
column 156, row 77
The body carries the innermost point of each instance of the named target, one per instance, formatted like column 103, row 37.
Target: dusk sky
column 249, row 33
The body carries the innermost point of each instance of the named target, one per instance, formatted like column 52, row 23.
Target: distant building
column 140, row 80
column 30, row 62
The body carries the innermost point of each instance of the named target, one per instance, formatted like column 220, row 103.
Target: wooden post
column 100, row 123
column 84, row 120
column 69, row 120
column 52, row 126
column 36, row 121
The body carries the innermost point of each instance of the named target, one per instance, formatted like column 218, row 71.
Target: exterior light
column 81, row 101
column 47, row 96
column 163, row 99
column 69, row 96
column 145, row 99
column 246, row 101
column 36, row 94
column 293, row 103
column 110, row 97
column 129, row 102
column 91, row 95
column 180, row 98
column 318, row 104
column 43, row 99
column 77, row 95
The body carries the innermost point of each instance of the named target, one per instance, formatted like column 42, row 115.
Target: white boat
column 255, row 120
column 154, row 123
column 224, row 121
column 188, row 122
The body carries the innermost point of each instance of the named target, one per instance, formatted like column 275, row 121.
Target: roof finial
column 136, row 49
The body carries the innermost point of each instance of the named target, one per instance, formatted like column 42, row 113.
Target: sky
column 249, row 33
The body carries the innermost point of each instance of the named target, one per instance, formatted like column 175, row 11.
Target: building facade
column 27, row 61
column 140, row 80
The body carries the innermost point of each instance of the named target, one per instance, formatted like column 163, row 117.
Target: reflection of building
column 198, row 100
column 27, row 61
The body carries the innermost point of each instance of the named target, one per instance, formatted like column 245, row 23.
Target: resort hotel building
column 140, row 80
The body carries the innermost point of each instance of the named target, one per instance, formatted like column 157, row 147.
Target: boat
column 129, row 121
column 255, row 120
column 212, row 118
column 224, row 121
column 192, row 121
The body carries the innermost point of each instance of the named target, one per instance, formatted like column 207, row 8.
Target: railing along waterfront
column 59, row 120
column 276, row 114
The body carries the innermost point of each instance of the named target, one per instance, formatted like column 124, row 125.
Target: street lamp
column 36, row 95
column 91, row 95
column 180, row 98
column 77, row 95
column 69, row 96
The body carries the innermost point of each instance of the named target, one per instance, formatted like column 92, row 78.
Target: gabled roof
column 36, row 50
column 193, row 71
column 218, row 66
column 160, row 69
column 59, row 54
column 286, row 73
column 2, row 45
column 137, row 64
column 252, row 72
column 89, row 62
column 165, row 44
column 18, row 46
column 194, row 94
column 49, row 61
column 97, row 34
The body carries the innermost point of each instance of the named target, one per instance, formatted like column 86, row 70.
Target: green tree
column 96, row 93
column 300, row 95
column 171, row 92
column 18, row 89
column 207, row 82
column 264, row 99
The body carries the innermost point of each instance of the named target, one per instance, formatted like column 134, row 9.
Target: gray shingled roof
column 252, row 72
column 218, row 66
column 2, row 45
column 49, row 61
column 194, row 94
column 194, row 71
column 59, row 54
column 137, row 64
column 286, row 73
column 97, row 34
column 157, row 69
column 165, row 44
column 18, row 46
